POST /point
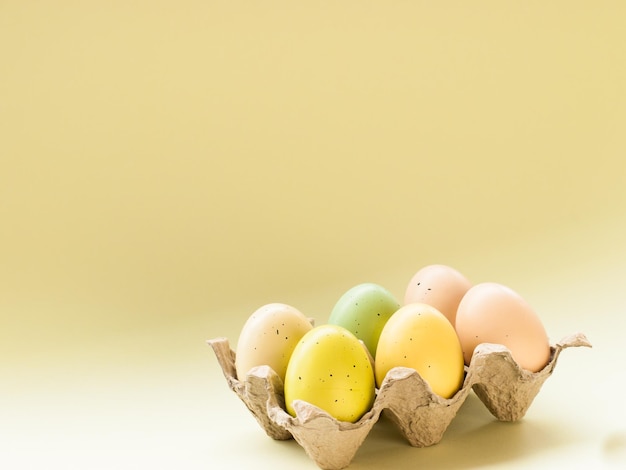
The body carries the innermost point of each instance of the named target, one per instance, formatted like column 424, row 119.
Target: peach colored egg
column 440, row 286
column 493, row 313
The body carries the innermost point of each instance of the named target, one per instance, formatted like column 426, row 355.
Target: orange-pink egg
column 493, row 313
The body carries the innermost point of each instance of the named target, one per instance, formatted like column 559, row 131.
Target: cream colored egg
column 492, row 313
column 438, row 285
column 420, row 337
column 268, row 338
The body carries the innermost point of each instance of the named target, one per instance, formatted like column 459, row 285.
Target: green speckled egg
column 364, row 310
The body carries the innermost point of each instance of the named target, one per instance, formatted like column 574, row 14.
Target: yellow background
column 168, row 167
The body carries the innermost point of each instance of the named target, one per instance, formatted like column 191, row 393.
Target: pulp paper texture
column 421, row 415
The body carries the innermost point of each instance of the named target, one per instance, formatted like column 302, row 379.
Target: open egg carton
column 421, row 415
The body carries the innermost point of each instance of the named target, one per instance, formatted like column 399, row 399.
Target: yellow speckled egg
column 330, row 368
column 438, row 285
column 268, row 338
column 420, row 337
column 492, row 313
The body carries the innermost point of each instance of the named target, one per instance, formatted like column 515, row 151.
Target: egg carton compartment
column 422, row 416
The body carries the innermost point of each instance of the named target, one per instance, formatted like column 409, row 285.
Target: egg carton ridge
column 405, row 397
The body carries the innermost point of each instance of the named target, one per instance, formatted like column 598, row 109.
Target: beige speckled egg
column 269, row 337
column 493, row 313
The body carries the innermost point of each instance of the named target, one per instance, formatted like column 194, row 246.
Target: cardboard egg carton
column 421, row 415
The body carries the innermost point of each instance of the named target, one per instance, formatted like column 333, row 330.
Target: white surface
column 123, row 404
